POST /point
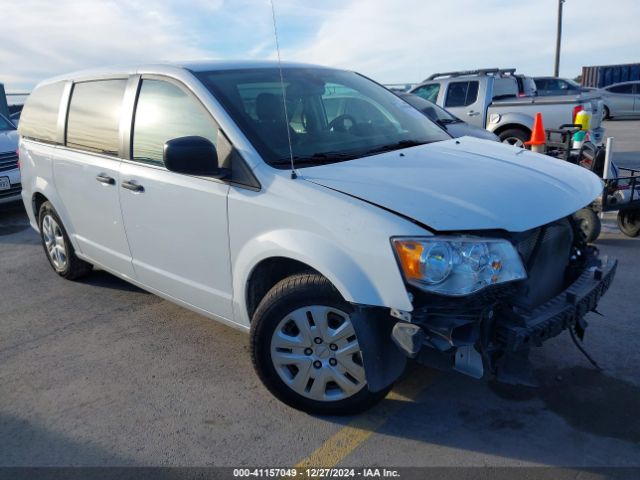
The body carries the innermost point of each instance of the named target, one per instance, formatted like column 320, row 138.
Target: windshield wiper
column 316, row 159
column 397, row 146
column 448, row 121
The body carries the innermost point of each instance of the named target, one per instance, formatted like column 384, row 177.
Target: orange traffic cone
column 538, row 136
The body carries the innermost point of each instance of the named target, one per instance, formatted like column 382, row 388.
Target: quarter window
column 461, row 94
column 94, row 116
column 164, row 111
column 39, row 118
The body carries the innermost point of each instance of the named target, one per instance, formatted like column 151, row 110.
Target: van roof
column 172, row 67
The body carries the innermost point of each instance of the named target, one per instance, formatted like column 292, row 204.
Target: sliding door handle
column 107, row 180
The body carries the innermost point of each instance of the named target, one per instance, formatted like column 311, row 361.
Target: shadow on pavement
column 28, row 444
column 102, row 279
column 549, row 425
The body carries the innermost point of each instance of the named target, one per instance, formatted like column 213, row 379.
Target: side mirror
column 193, row 156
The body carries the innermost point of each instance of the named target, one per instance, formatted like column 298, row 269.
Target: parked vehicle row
column 346, row 232
column 491, row 99
column 619, row 99
column 10, row 185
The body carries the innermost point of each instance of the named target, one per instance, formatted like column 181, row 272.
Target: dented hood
column 465, row 184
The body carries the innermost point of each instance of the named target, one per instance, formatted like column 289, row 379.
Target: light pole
column 556, row 69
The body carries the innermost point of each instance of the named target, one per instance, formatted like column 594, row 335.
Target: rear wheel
column 629, row 222
column 589, row 224
column 305, row 349
column 514, row 136
column 57, row 247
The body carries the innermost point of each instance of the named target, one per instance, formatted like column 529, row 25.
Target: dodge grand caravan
column 345, row 243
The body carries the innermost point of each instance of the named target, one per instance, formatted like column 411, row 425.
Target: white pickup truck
column 493, row 99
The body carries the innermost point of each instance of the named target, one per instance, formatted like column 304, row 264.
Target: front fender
column 340, row 268
column 510, row 119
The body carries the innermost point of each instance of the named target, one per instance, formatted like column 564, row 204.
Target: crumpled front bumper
column 500, row 336
column 561, row 312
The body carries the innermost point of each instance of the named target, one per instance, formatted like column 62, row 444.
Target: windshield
column 6, row 124
column 431, row 110
column 333, row 115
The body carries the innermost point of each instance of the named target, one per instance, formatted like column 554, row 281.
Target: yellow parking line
column 348, row 438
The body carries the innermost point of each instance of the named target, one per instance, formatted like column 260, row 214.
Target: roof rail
column 480, row 71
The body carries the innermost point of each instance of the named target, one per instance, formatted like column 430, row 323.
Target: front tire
column 606, row 114
column 57, row 246
column 515, row 137
column 305, row 350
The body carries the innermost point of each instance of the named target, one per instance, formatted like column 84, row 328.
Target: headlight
column 457, row 265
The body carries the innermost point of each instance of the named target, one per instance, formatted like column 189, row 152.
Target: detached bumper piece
column 561, row 312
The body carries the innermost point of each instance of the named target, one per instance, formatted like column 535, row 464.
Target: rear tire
column 305, row 351
column 57, row 246
column 589, row 223
column 514, row 137
column 629, row 222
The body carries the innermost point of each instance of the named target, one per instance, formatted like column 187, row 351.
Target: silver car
column 621, row 99
column 10, row 186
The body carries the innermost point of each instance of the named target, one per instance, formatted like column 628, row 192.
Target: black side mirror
column 193, row 156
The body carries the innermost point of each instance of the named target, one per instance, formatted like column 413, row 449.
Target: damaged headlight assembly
column 457, row 265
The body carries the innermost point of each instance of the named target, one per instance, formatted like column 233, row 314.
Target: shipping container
column 604, row 75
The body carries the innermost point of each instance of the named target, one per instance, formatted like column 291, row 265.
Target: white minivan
column 345, row 241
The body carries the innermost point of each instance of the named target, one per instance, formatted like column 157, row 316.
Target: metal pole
column 608, row 155
column 556, row 69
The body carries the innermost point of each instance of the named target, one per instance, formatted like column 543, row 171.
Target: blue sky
column 388, row 40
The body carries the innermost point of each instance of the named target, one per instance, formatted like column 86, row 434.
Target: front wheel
column 514, row 136
column 305, row 349
column 629, row 222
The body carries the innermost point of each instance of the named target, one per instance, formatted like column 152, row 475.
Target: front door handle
column 107, row 180
column 133, row 186
column 471, row 113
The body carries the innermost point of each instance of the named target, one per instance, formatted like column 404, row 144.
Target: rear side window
column 542, row 83
column 39, row 118
column 628, row 88
column 94, row 116
column 164, row 112
column 461, row 94
column 428, row 92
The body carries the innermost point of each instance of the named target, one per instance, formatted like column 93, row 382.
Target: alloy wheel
column 54, row 242
column 514, row 141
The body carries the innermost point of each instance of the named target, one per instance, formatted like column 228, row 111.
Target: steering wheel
column 339, row 124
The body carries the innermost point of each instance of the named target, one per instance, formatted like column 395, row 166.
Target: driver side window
column 164, row 111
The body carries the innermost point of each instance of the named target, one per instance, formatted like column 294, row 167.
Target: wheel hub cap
column 316, row 353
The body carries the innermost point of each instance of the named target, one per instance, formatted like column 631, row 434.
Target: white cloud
column 405, row 40
column 391, row 41
column 44, row 38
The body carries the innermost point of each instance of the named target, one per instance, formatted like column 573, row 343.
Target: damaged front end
column 490, row 332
